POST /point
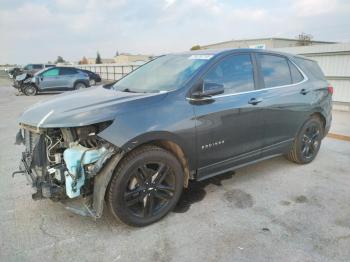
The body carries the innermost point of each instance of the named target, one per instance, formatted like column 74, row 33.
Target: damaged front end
column 70, row 165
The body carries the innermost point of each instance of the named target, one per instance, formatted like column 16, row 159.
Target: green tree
column 59, row 60
column 195, row 47
column 98, row 59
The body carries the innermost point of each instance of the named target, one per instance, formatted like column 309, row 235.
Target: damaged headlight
column 85, row 156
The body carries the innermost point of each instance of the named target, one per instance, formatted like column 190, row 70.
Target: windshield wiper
column 128, row 90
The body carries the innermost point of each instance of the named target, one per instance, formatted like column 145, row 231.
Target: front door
column 229, row 126
column 49, row 79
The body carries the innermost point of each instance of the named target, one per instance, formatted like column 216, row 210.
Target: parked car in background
column 52, row 79
column 180, row 117
column 15, row 71
column 33, row 68
column 29, row 69
column 94, row 77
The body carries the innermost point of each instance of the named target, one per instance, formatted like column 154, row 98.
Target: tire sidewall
column 122, row 178
column 76, row 86
column 308, row 123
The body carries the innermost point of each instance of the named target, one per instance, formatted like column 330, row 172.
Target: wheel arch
column 80, row 81
column 321, row 117
column 166, row 141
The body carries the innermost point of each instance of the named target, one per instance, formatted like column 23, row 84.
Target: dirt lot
column 271, row 211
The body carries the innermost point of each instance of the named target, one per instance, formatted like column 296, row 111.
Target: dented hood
column 85, row 107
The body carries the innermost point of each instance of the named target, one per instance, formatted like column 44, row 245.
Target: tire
column 30, row 90
column 138, row 194
column 307, row 142
column 79, row 85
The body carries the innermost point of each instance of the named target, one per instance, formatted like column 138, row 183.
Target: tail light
column 330, row 89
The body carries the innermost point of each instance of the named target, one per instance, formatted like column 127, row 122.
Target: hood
column 80, row 108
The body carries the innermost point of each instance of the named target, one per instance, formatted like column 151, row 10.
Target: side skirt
column 244, row 159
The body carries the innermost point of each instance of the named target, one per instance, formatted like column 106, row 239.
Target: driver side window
column 234, row 72
column 51, row 72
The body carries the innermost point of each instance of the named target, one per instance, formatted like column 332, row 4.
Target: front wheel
column 146, row 186
column 30, row 90
column 307, row 142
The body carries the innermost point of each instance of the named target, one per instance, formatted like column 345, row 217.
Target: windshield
column 163, row 74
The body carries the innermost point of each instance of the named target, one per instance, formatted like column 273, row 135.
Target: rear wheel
column 308, row 141
column 146, row 186
column 79, row 85
column 30, row 90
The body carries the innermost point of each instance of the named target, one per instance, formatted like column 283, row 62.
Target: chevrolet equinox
column 189, row 116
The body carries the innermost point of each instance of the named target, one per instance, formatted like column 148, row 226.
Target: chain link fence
column 109, row 71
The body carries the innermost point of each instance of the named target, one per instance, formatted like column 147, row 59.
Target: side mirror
column 210, row 89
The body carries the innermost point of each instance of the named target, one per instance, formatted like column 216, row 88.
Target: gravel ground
column 271, row 211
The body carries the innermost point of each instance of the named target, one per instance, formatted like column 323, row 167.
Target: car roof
column 219, row 52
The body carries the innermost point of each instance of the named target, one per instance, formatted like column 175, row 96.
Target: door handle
column 253, row 101
column 304, row 91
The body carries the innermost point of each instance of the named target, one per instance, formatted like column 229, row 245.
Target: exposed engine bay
column 61, row 163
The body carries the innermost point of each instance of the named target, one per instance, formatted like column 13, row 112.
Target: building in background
column 335, row 62
column 263, row 43
column 129, row 58
column 104, row 60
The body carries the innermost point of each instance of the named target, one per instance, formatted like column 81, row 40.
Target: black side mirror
column 209, row 89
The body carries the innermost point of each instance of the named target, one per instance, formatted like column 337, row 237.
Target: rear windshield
column 311, row 68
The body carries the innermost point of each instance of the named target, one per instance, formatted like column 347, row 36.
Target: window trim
column 305, row 78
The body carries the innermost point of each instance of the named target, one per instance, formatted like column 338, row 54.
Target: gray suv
column 53, row 79
column 181, row 117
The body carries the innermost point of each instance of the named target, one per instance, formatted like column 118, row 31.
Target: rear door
column 67, row 77
column 228, row 127
column 284, row 105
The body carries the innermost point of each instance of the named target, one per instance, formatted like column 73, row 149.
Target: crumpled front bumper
column 25, row 170
column 16, row 84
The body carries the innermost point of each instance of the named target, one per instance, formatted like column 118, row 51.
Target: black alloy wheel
column 310, row 141
column 146, row 186
column 149, row 189
column 307, row 142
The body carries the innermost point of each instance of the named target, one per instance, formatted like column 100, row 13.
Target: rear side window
column 275, row 70
column 67, row 71
column 235, row 73
column 295, row 73
column 311, row 68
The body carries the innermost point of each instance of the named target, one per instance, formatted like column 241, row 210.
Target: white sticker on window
column 203, row 57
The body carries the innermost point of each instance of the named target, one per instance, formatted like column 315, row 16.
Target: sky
column 38, row 31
